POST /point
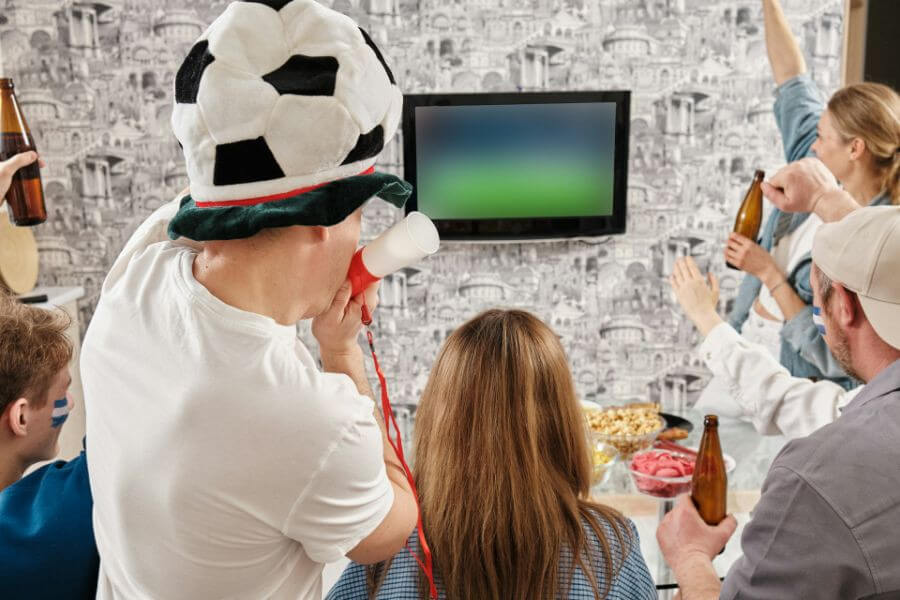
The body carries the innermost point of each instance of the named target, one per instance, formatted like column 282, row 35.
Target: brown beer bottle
column 709, row 483
column 26, row 195
column 749, row 217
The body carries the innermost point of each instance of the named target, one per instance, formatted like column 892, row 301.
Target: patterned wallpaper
column 95, row 81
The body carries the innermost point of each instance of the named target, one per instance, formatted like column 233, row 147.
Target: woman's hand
column 337, row 328
column 697, row 298
column 748, row 256
column 9, row 167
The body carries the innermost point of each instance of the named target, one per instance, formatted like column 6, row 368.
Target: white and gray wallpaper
column 95, row 80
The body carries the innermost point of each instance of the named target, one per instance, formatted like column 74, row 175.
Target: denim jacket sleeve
column 747, row 293
column 798, row 106
column 801, row 334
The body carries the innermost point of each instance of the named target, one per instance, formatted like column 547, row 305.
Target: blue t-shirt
column 47, row 547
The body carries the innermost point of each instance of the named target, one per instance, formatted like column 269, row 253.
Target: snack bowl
column 673, row 472
column 628, row 435
column 603, row 457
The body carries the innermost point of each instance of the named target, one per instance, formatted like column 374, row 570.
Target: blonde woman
column 856, row 134
column 503, row 471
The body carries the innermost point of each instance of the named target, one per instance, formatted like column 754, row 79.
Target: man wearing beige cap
column 825, row 525
column 772, row 400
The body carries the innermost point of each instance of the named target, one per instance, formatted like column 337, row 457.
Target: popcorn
column 629, row 429
column 624, row 421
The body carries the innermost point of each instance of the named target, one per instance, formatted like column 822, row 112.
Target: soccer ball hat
column 281, row 109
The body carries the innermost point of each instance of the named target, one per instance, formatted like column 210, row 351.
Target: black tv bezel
column 500, row 230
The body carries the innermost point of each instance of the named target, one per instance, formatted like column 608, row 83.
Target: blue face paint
column 60, row 412
column 818, row 320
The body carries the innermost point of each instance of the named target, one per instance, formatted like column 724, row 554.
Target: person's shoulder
column 331, row 399
column 146, row 267
column 52, row 479
column 802, row 456
column 630, row 577
column 619, row 532
column 858, row 431
column 46, row 527
column 799, row 89
column 401, row 582
column 861, row 440
column 56, row 496
column 614, row 527
column 160, row 255
column 800, row 80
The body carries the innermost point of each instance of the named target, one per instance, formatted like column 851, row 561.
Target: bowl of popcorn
column 603, row 457
column 629, row 429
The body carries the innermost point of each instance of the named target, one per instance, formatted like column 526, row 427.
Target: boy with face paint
column 29, row 375
column 47, row 545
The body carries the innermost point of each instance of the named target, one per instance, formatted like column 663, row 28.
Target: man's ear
column 320, row 233
column 846, row 307
column 17, row 416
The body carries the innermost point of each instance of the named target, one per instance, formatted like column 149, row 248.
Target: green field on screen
column 515, row 190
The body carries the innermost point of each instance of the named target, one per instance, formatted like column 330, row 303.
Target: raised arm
column 808, row 186
column 775, row 401
column 784, row 53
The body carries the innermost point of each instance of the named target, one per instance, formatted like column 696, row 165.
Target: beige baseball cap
column 862, row 252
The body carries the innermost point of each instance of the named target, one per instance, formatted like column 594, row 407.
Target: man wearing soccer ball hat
column 223, row 462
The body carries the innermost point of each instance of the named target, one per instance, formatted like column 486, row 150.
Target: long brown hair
column 871, row 112
column 503, row 468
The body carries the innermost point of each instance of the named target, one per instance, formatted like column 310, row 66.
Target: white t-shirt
column 787, row 253
column 222, row 462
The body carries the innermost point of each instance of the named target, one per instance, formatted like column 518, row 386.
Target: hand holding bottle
column 749, row 217
column 683, row 535
column 9, row 167
column 22, row 189
column 748, row 256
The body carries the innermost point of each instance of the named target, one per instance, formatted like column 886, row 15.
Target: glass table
column 753, row 454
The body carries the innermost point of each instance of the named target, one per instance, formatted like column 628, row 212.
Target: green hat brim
column 326, row 206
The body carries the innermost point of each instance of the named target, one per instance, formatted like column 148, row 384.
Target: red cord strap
column 397, row 445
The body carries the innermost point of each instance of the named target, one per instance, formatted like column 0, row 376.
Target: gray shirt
column 828, row 522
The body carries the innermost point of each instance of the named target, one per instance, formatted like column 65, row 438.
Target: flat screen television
column 517, row 166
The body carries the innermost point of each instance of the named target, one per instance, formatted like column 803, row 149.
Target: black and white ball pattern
column 278, row 95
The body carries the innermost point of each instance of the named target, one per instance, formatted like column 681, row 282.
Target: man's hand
column 697, row 298
column 685, row 538
column 9, row 167
column 799, row 186
column 337, row 328
column 748, row 256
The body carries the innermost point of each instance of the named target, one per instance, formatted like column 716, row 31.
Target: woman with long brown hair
column 503, row 470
